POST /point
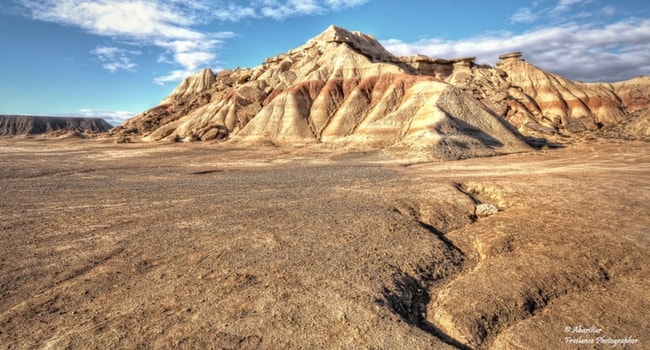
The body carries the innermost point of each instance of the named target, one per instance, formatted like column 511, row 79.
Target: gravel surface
column 206, row 246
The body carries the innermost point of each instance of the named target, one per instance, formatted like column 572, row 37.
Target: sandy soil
column 204, row 246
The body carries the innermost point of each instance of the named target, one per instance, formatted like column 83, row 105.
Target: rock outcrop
column 11, row 125
column 536, row 96
column 343, row 88
column 635, row 97
column 193, row 85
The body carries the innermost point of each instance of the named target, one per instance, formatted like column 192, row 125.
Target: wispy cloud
column 587, row 52
column 340, row 4
column 116, row 59
column 290, row 8
column 167, row 24
column 192, row 55
column 565, row 5
column 523, row 15
column 567, row 41
column 172, row 25
column 234, row 13
column 608, row 10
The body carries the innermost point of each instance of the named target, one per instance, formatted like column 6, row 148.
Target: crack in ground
column 409, row 295
column 409, row 299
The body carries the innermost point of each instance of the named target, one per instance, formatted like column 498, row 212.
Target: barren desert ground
column 190, row 246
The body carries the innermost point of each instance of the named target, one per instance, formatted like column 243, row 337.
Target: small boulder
column 485, row 209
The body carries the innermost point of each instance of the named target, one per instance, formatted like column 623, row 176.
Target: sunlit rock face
column 343, row 88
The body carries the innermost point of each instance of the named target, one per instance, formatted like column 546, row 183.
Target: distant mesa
column 344, row 89
column 13, row 125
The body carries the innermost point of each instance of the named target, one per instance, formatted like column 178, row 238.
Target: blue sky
column 116, row 58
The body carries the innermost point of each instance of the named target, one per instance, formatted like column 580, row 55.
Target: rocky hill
column 11, row 125
column 343, row 88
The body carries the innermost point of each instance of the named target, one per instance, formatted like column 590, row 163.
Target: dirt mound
column 11, row 125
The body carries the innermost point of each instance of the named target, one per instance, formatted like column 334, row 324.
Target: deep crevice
column 409, row 299
column 203, row 172
column 409, row 295
column 441, row 236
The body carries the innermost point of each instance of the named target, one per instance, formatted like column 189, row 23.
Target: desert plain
column 212, row 246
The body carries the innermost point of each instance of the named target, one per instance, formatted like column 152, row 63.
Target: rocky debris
column 634, row 93
column 11, row 125
column 485, row 209
column 343, row 88
column 437, row 67
column 635, row 98
column 511, row 55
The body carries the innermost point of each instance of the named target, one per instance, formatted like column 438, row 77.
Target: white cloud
column 131, row 19
column 173, row 76
column 169, row 24
column 290, row 8
column 565, row 5
column 191, row 55
column 234, row 13
column 523, row 15
column 611, row 52
column 340, row 4
column 115, row 59
column 283, row 9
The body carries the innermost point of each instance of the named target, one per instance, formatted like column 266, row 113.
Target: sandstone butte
column 345, row 89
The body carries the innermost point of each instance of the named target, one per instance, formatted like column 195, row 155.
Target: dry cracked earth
column 191, row 246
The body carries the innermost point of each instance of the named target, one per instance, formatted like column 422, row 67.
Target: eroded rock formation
column 344, row 88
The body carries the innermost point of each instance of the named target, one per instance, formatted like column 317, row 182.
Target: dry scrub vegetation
column 207, row 246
